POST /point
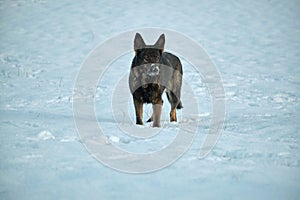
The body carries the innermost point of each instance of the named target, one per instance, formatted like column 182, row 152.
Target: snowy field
column 255, row 46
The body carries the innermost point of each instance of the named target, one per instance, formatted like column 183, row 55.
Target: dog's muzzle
column 153, row 70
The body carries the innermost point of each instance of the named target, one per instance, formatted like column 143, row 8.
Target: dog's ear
column 138, row 42
column 160, row 43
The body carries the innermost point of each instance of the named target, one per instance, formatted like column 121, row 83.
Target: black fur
column 154, row 71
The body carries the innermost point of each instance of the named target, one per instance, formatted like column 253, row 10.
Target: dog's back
column 174, row 92
column 172, row 61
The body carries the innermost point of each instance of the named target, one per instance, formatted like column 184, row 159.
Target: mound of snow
column 114, row 139
column 45, row 135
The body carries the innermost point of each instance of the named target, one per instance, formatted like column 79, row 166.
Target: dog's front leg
column 157, row 107
column 138, row 105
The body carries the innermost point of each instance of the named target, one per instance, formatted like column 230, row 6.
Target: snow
column 255, row 46
column 45, row 135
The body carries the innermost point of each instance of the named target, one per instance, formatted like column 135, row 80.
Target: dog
column 152, row 72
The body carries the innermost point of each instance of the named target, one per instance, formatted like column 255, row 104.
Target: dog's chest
column 143, row 76
column 144, row 82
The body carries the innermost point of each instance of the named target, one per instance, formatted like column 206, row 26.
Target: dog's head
column 149, row 55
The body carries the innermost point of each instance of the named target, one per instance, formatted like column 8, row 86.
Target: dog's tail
column 179, row 106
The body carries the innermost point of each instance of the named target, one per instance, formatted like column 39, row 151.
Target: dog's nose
column 154, row 68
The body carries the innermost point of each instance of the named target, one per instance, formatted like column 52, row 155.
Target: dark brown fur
column 152, row 72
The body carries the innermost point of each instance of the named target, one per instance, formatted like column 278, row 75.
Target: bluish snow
column 255, row 46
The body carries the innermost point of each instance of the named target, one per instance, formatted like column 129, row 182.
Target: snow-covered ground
column 255, row 46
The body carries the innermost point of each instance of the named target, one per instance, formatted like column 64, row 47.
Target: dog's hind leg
column 150, row 119
column 173, row 117
column 175, row 104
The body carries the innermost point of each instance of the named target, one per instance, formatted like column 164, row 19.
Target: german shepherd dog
column 154, row 71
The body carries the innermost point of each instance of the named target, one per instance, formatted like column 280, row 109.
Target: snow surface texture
column 255, row 46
